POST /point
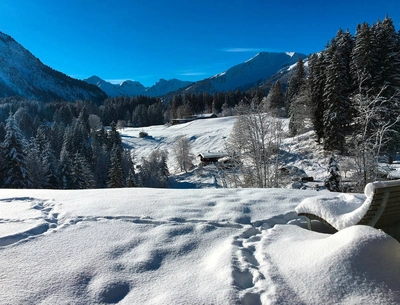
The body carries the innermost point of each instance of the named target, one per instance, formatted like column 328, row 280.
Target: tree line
column 79, row 155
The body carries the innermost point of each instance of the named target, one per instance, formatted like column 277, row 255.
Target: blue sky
column 146, row 40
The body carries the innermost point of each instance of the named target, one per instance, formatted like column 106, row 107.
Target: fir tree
column 15, row 174
column 82, row 177
column 297, row 86
column 333, row 182
column 276, row 101
column 115, row 173
column 65, row 169
column 130, row 180
column 36, row 167
column 336, row 100
column 364, row 59
column 316, row 81
column 388, row 58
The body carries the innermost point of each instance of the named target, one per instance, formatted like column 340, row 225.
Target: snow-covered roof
column 213, row 155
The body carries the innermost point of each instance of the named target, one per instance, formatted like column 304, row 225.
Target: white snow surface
column 185, row 246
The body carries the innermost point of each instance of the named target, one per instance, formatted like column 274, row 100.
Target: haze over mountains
column 21, row 73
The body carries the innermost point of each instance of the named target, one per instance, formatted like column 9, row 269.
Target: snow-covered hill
column 23, row 74
column 248, row 74
column 131, row 88
column 210, row 135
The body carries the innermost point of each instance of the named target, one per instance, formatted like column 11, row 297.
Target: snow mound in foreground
column 358, row 265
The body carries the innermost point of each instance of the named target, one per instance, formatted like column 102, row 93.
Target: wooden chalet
column 211, row 157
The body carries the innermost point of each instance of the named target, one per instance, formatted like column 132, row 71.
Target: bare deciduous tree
column 376, row 118
column 183, row 155
column 256, row 139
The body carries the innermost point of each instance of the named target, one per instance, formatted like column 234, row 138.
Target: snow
column 343, row 210
column 193, row 246
column 204, row 135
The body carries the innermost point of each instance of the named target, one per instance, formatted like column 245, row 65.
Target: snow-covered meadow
column 194, row 244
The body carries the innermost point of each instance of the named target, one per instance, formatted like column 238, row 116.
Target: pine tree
column 297, row 86
column 334, row 181
column 130, row 180
column 49, row 158
column 276, row 101
column 115, row 173
column 336, row 99
column 297, row 81
column 15, row 174
column 66, row 169
column 388, row 58
column 82, row 177
column 36, row 168
column 364, row 59
column 316, row 81
column 114, row 138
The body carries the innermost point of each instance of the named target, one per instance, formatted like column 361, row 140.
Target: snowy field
column 198, row 246
column 211, row 135
column 197, row 243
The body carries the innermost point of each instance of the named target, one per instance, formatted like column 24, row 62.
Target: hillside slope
column 23, row 74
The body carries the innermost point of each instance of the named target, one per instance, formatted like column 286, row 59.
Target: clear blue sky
column 146, row 40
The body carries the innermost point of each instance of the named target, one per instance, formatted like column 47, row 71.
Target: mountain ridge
column 248, row 74
column 23, row 74
column 135, row 88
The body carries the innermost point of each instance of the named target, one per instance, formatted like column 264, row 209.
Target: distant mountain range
column 133, row 88
column 23, row 74
column 248, row 74
column 254, row 72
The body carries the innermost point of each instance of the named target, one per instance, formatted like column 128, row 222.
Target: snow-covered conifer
column 334, row 180
column 115, row 173
column 15, row 174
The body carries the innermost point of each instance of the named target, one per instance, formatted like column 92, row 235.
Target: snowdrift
column 194, row 246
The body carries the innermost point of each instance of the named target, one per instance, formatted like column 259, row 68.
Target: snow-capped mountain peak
column 249, row 73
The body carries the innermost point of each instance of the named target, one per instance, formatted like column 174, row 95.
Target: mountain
column 283, row 76
column 128, row 87
column 248, row 74
column 23, row 74
column 133, row 88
